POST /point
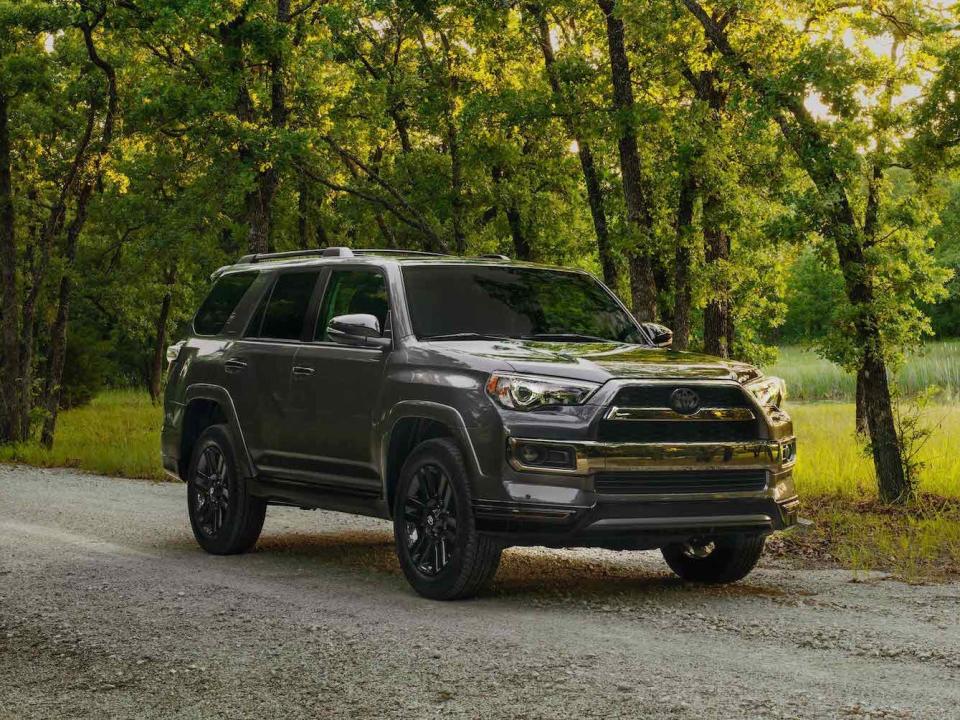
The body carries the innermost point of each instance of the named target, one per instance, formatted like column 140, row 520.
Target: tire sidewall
column 226, row 540
column 441, row 453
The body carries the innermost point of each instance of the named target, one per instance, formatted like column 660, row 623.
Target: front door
column 335, row 389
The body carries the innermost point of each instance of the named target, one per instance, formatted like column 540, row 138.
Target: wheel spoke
column 443, row 553
column 436, row 557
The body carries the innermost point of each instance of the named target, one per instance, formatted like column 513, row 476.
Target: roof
column 337, row 255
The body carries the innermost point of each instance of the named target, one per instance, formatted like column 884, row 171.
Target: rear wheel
column 225, row 519
column 440, row 551
column 719, row 560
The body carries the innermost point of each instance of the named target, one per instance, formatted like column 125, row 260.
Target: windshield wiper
column 467, row 336
column 567, row 337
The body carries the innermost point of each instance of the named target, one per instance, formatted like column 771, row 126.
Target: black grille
column 681, row 431
column 644, row 483
column 659, row 395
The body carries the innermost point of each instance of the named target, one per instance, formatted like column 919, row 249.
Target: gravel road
column 108, row 609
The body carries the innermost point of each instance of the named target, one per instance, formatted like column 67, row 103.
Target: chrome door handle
column 301, row 371
column 234, row 365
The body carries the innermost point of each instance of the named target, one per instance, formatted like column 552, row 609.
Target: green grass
column 810, row 377
column 831, row 461
column 116, row 434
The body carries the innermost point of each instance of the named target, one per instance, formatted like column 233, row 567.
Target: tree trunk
column 861, row 401
column 817, row 159
column 591, row 179
column 681, row 271
column 10, row 379
column 38, row 267
column 717, row 320
column 58, row 339
column 160, row 343
column 639, row 217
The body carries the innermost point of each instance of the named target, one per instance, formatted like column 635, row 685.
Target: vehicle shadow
column 528, row 573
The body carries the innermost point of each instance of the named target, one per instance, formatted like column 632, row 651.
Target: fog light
column 788, row 452
column 530, row 454
column 546, row 456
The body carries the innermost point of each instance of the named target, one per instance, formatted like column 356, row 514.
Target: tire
column 441, row 560
column 731, row 559
column 225, row 519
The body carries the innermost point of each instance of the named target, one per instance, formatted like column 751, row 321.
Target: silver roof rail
column 329, row 252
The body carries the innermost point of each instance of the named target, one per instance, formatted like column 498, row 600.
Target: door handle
column 301, row 371
column 234, row 365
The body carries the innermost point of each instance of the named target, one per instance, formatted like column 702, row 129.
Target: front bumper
column 562, row 506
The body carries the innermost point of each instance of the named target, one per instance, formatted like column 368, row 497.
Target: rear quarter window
column 221, row 302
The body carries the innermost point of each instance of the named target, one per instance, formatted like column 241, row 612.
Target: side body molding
column 220, row 395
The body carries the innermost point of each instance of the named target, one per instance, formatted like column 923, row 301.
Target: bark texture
column 643, row 287
column 10, row 376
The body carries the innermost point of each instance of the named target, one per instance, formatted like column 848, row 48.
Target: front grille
column 679, row 431
column 668, row 482
column 659, row 395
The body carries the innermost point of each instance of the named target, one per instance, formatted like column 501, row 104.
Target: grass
column 116, row 434
column 810, row 377
column 119, row 434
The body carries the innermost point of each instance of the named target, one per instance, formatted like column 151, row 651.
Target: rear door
column 258, row 366
column 336, row 388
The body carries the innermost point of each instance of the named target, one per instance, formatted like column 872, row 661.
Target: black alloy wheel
column 225, row 518
column 441, row 553
column 430, row 512
column 212, row 491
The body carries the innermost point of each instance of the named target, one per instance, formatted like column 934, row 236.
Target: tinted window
column 352, row 292
column 513, row 302
column 221, row 302
column 286, row 307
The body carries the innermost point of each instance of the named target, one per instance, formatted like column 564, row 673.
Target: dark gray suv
column 478, row 403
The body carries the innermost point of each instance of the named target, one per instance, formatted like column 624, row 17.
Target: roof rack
column 327, row 252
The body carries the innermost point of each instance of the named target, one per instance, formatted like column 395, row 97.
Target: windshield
column 479, row 302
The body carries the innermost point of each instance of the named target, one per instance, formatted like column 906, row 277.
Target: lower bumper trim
column 760, row 522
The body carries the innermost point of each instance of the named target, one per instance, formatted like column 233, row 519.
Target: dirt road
column 108, row 609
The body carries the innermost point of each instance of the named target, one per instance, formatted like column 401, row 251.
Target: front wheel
column 440, row 551
column 225, row 519
column 716, row 561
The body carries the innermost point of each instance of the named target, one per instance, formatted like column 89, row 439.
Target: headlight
column 525, row 392
column 769, row 391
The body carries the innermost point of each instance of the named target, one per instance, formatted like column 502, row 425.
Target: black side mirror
column 660, row 335
column 358, row 330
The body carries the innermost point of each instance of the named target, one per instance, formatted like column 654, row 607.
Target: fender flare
column 438, row 412
column 221, row 396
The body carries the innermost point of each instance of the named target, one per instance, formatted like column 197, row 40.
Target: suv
column 478, row 404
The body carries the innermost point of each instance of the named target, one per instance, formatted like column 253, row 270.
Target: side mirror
column 358, row 330
column 660, row 335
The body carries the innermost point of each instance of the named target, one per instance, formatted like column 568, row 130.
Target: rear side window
column 282, row 313
column 352, row 292
column 221, row 302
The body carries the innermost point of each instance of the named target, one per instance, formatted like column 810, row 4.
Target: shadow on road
column 524, row 572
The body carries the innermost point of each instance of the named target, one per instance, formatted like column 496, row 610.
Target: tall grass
column 810, row 377
column 118, row 433
column 830, row 460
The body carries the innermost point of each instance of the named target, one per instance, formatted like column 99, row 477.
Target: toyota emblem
column 684, row 401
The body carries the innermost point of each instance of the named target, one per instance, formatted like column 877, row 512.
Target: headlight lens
column 525, row 392
column 769, row 391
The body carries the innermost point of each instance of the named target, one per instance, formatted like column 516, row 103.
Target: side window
column 352, row 292
column 282, row 312
column 221, row 302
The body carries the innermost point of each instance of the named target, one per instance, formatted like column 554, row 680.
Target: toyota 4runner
column 478, row 404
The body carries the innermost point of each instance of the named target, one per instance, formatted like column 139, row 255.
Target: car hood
column 602, row 361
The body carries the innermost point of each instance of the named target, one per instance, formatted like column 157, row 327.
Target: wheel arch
column 206, row 405
column 411, row 423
